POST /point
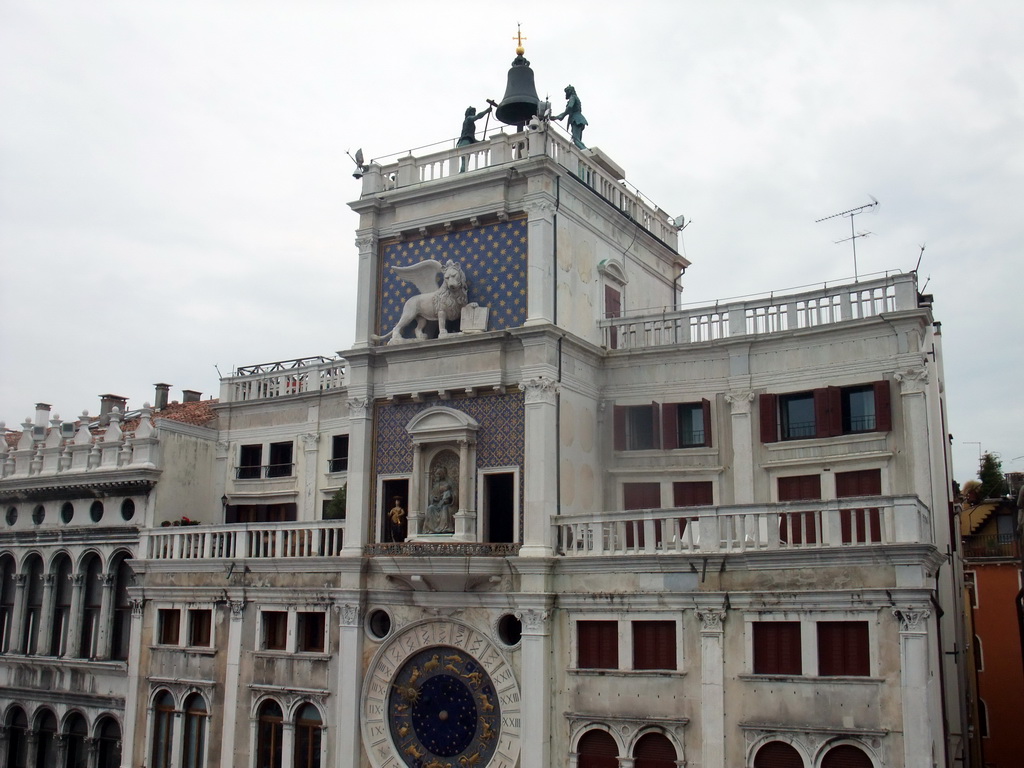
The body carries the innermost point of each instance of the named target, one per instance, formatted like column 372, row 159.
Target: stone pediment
column 440, row 424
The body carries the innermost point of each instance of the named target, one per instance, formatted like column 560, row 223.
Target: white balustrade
column 245, row 541
column 293, row 377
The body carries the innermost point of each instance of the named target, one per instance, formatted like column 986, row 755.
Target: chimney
column 162, row 391
column 109, row 403
column 42, row 414
column 190, row 396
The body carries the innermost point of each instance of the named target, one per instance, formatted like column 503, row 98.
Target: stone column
column 46, row 618
column 914, row 676
column 60, row 749
column 367, row 297
column 742, row 447
column 18, row 617
column 75, row 616
column 348, row 742
column 106, row 613
column 310, row 471
column 92, row 752
column 231, row 706
column 287, row 740
column 357, row 518
column 541, row 476
column 712, row 684
column 536, row 687
column 913, row 384
column 5, row 730
column 465, row 518
column 415, row 492
column 31, row 747
column 540, row 261
column 131, row 699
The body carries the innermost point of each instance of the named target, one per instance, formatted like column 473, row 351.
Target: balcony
column 810, row 525
column 996, row 546
column 270, row 471
column 763, row 316
column 283, row 378
column 261, row 541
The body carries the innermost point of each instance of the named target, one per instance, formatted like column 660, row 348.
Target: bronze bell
column 521, row 101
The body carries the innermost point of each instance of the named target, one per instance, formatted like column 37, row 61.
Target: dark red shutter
column 822, row 413
column 619, row 425
column 641, row 496
column 769, row 407
column 883, row 406
column 706, row 406
column 799, row 487
column 778, row 754
column 655, row 425
column 597, row 644
column 864, row 482
column 654, row 645
column 777, row 648
column 846, row 756
column 597, row 749
column 692, row 494
column 670, row 426
column 654, row 750
column 612, row 308
column 843, row 648
column 834, row 411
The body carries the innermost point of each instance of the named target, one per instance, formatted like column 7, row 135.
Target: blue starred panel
column 493, row 258
column 500, row 439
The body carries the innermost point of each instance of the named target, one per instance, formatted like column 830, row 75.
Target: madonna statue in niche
column 441, row 506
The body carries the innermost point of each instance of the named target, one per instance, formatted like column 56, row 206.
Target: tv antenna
column 853, row 234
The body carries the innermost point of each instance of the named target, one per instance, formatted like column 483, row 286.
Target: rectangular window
column 640, row 496
column 280, row 464
column 843, row 648
column 310, row 628
column 686, row 425
column 858, row 404
column 862, row 525
column 275, row 630
column 692, row 494
column 796, row 416
column 654, row 645
column 168, row 626
column 200, row 626
column 339, row 454
column 250, row 461
column 597, row 644
column 777, row 648
column 799, row 527
column 826, row 412
column 613, row 308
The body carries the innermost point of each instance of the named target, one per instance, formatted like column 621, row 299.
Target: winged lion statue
column 442, row 303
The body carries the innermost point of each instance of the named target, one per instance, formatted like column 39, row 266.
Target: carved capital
column 349, row 615
column 740, row 402
column 237, row 609
column 107, row 579
column 543, row 209
column 77, row 579
column 911, row 619
column 534, row 620
column 711, row 619
column 310, row 440
column 48, row 579
column 358, row 407
column 912, row 382
column 137, row 608
column 540, row 390
column 20, row 580
column 365, row 244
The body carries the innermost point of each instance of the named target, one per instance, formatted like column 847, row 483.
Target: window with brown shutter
column 686, row 425
column 275, row 630
column 654, row 750
column 692, row 493
column 640, row 496
column 310, row 626
column 778, row 754
column 597, row 644
column 843, row 648
column 863, row 525
column 799, row 527
column 169, row 621
column 636, row 427
column 846, row 756
column 777, row 648
column 654, row 645
column 597, row 749
column 826, row 412
column 200, row 623
column 613, row 308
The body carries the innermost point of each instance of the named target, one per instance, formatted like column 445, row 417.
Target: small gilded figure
column 574, row 111
column 397, row 521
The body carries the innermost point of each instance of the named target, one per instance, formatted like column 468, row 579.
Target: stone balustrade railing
column 293, row 377
column 241, row 541
column 852, row 522
column 773, row 314
column 589, row 166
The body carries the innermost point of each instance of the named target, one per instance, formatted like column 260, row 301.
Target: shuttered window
column 654, row 750
column 597, row 749
column 778, row 754
column 654, row 645
column 860, row 525
column 826, row 412
column 846, row 756
column 799, row 527
column 597, row 644
column 843, row 648
column 777, row 648
column 692, row 494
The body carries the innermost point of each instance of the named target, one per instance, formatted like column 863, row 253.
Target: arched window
column 163, row 730
column 654, row 750
column 92, row 599
column 121, row 620
column 108, row 734
column 33, row 605
column 778, row 754
column 46, row 731
column 846, row 756
column 597, row 749
column 269, row 730
column 195, row 731
column 61, row 605
column 7, row 593
column 74, row 740
column 308, row 733
column 17, row 744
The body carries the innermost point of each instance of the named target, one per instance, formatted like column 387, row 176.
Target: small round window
column 510, row 630
column 67, row 512
column 96, row 511
column 127, row 509
column 38, row 514
column 12, row 515
column 378, row 623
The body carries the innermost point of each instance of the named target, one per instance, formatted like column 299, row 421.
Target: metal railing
column 280, row 379
column 1004, row 546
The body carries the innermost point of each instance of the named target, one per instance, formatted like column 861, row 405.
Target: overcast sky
column 173, row 178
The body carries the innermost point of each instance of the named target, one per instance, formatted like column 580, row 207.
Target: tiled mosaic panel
column 493, row 258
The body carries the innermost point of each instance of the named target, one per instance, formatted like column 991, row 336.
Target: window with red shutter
column 778, row 754
column 613, row 308
column 692, row 494
column 799, row 527
column 654, row 645
column 777, row 648
column 843, row 649
column 846, row 756
column 637, row 427
column 768, row 407
column 654, row 750
column 640, row 496
column 597, row 749
column 597, row 644
column 864, row 525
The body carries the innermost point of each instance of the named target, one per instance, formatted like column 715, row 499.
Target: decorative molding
column 740, row 402
column 349, row 615
column 310, row 440
column 138, row 608
column 540, row 390
column 913, row 381
column 365, row 244
column 534, row 620
column 711, row 619
column 237, row 609
column 358, row 407
column 910, row 619
column 544, row 209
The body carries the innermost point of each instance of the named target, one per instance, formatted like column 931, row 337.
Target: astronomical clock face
column 441, row 695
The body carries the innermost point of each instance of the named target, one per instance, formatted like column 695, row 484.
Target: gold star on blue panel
column 486, row 267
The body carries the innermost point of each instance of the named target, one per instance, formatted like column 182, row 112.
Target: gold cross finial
column 519, row 38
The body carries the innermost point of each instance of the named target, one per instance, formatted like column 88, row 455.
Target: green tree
column 993, row 484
